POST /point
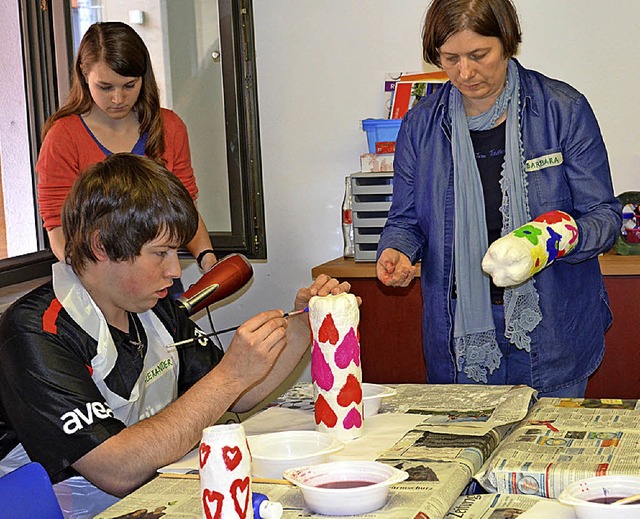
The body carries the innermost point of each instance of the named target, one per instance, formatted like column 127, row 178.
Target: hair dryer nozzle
column 225, row 278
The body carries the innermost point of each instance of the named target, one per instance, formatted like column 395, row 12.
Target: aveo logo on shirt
column 78, row 418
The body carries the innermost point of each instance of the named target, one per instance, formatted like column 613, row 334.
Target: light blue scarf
column 474, row 332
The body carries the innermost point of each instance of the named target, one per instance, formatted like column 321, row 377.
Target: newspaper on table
column 458, row 428
column 407, row 500
column 162, row 497
column 461, row 426
column 180, row 499
column 491, row 506
column 508, row 506
column 455, row 408
column 562, row 441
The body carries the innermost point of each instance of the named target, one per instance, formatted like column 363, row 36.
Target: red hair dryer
column 225, row 278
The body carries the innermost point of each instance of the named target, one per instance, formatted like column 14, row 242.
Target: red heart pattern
column 348, row 351
column 232, row 457
column 353, row 419
column 350, row 392
column 204, row 452
column 239, row 488
column 328, row 331
column 324, row 413
column 212, row 504
column 320, row 369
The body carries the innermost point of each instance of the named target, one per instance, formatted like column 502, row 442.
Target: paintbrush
column 232, row 329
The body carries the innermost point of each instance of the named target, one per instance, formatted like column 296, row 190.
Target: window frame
column 244, row 164
column 47, row 54
column 40, row 87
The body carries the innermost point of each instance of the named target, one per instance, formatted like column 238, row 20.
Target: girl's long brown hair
column 124, row 52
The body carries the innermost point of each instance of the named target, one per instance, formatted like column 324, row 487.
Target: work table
column 391, row 330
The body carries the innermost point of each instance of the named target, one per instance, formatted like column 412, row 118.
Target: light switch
column 136, row 17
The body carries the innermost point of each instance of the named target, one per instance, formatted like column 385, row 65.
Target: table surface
column 546, row 447
column 389, row 428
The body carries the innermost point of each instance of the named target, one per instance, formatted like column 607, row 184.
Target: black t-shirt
column 489, row 146
column 45, row 364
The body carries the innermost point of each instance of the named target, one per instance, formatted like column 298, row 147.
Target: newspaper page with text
column 562, row 441
column 165, row 497
column 491, row 506
column 460, row 408
column 456, row 430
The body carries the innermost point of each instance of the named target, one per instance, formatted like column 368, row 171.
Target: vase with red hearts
column 225, row 473
column 336, row 373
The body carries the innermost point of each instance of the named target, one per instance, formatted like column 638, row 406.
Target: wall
column 14, row 140
column 180, row 37
column 151, row 31
column 593, row 46
column 317, row 78
column 320, row 70
column 191, row 31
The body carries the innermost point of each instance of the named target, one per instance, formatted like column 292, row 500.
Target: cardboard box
column 376, row 162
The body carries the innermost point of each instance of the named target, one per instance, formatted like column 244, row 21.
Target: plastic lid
column 270, row 510
column 371, row 122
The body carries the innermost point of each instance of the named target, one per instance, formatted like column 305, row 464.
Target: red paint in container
column 606, row 500
column 346, row 484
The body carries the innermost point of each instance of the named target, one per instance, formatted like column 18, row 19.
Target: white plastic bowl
column 580, row 494
column 272, row 453
column 375, row 479
column 372, row 395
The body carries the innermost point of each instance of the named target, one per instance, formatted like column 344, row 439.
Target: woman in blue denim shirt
column 495, row 148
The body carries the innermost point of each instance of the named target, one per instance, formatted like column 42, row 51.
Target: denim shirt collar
column 527, row 101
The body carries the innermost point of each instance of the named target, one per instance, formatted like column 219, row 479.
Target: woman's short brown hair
column 128, row 200
column 497, row 18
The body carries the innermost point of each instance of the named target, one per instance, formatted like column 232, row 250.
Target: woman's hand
column 394, row 268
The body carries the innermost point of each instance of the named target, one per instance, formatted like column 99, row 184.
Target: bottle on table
column 265, row 509
column 347, row 221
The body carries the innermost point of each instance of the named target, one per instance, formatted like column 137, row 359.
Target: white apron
column 156, row 387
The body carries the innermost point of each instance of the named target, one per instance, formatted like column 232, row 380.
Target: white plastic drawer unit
column 371, row 200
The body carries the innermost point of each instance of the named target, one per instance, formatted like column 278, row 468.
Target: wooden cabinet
column 391, row 327
column 619, row 374
column 390, row 332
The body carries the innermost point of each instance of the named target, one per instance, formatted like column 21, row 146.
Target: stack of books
column 405, row 90
column 402, row 92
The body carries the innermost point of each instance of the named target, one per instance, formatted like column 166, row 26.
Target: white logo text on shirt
column 77, row 419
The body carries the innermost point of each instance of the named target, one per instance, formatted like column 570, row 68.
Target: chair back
column 27, row 493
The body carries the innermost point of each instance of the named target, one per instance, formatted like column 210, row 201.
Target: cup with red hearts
column 225, row 472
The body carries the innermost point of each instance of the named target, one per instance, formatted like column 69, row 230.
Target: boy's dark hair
column 127, row 201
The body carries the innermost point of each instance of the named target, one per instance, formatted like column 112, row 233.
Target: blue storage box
column 380, row 130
